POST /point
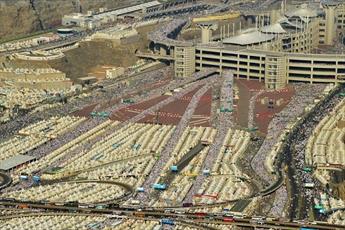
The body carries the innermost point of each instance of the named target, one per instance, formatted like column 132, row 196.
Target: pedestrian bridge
column 155, row 56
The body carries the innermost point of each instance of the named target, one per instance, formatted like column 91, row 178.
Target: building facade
column 278, row 53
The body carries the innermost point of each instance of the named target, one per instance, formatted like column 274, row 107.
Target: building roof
column 273, row 29
column 15, row 161
column 111, row 13
column 132, row 8
column 89, row 78
column 249, row 38
column 286, row 22
column 303, row 11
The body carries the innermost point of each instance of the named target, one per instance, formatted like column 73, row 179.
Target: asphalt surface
column 299, row 205
column 206, row 218
column 5, row 180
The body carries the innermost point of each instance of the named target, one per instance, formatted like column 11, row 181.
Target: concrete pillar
column 184, row 61
column 274, row 16
column 206, row 35
column 162, row 51
column 330, row 24
column 206, row 31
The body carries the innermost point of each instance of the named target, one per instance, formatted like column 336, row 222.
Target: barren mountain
column 25, row 16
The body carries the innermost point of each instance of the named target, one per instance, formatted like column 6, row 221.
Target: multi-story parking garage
column 300, row 46
column 275, row 68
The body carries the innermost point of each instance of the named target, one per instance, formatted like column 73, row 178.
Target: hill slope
column 25, row 16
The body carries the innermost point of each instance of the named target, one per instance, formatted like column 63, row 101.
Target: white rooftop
column 249, row 38
column 273, row 29
column 15, row 161
column 132, row 8
column 303, row 11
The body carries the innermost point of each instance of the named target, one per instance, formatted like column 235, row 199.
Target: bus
column 167, row 221
column 307, row 169
column 101, row 206
column 187, row 204
column 159, row 186
column 135, row 202
column 206, row 172
column 23, row 177
column 139, row 214
column 228, row 219
column 173, row 168
column 23, row 206
column 127, row 101
column 309, row 185
column 140, row 189
column 200, row 214
column 304, row 228
column 36, row 179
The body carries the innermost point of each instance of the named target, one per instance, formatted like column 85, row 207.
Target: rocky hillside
column 19, row 17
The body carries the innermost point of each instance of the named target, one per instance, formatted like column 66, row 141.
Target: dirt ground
column 263, row 114
column 202, row 113
column 99, row 71
column 91, row 57
column 172, row 113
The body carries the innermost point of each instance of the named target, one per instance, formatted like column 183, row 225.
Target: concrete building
column 15, row 162
column 184, row 61
column 93, row 20
column 330, row 23
column 45, row 79
column 118, row 35
column 340, row 16
column 290, row 50
column 206, row 31
column 115, row 72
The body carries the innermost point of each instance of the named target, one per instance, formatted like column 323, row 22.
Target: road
column 300, row 204
column 205, row 218
column 5, row 180
column 47, row 46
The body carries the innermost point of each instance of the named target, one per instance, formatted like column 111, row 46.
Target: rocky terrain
column 79, row 62
column 20, row 17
